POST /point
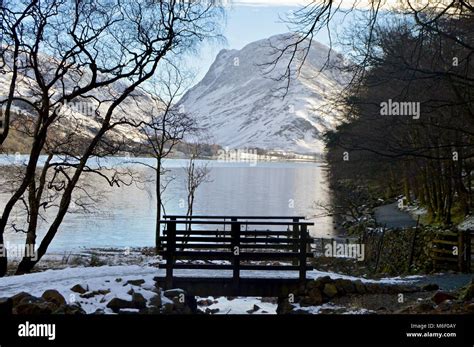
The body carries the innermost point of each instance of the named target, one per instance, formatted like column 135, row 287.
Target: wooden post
column 412, row 248
column 379, row 250
column 170, row 251
column 235, row 234
column 461, row 251
column 303, row 242
column 296, row 235
column 469, row 239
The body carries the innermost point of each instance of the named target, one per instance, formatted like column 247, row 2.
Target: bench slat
column 228, row 246
column 243, row 255
column 227, row 232
column 242, row 267
column 290, row 241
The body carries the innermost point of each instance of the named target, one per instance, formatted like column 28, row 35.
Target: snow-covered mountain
column 239, row 101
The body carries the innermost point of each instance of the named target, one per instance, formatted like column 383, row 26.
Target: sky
column 252, row 20
column 247, row 21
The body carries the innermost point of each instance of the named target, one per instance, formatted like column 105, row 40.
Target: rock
column 444, row 306
column 94, row 293
column 309, row 301
column 284, row 306
column 469, row 307
column 137, row 283
column 316, row 298
column 53, row 296
column 360, row 287
column 153, row 310
column 205, row 302
column 171, row 293
column 311, row 285
column 99, row 311
column 79, row 289
column 6, row 306
column 192, row 303
column 41, row 308
column 344, row 286
column 118, row 280
column 374, row 288
column 131, row 291
column 17, row 298
column 347, row 286
column 255, row 308
column 439, row 297
column 215, row 310
column 299, row 311
column 70, row 309
column 128, row 311
column 467, row 293
column 321, row 281
column 423, row 307
column 138, row 300
column 270, row 300
column 430, row 287
column 116, row 304
column 330, row 290
column 168, row 308
column 156, row 300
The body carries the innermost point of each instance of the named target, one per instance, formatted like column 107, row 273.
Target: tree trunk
column 3, row 258
column 158, row 243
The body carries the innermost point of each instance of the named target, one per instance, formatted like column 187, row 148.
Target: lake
column 125, row 216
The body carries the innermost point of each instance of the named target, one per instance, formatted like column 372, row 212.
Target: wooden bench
column 255, row 244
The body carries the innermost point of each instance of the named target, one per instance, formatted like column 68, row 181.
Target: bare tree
column 311, row 19
column 427, row 157
column 165, row 126
column 196, row 173
column 57, row 53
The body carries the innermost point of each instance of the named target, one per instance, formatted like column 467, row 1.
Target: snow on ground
column 328, row 308
column 241, row 305
column 114, row 279
column 414, row 210
column 467, row 224
column 95, row 278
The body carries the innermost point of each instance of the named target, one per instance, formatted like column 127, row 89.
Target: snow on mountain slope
column 239, row 101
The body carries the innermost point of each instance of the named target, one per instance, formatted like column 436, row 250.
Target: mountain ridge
column 237, row 103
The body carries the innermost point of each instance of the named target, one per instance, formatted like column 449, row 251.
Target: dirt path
column 392, row 217
column 446, row 281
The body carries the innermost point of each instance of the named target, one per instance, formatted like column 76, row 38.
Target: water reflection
column 126, row 215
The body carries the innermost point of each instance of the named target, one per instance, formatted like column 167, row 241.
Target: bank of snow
column 115, row 279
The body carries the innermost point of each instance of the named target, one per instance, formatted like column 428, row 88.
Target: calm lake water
column 125, row 216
